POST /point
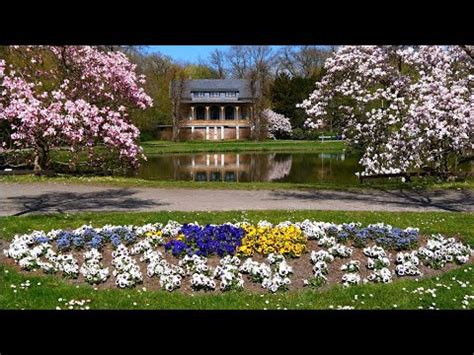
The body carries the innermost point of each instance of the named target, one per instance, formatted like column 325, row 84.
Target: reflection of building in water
column 233, row 167
column 215, row 167
column 333, row 156
column 326, row 159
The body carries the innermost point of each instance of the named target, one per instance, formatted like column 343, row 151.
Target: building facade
column 216, row 109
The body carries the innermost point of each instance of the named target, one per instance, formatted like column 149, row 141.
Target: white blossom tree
column 277, row 124
column 411, row 108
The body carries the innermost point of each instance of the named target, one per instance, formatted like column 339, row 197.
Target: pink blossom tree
column 277, row 124
column 410, row 108
column 70, row 96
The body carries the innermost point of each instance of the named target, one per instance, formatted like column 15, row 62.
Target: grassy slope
column 135, row 182
column 45, row 296
column 459, row 224
column 154, row 147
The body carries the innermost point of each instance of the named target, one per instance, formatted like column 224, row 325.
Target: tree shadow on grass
column 108, row 200
column 445, row 200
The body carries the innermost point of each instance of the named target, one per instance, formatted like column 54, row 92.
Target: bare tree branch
column 217, row 61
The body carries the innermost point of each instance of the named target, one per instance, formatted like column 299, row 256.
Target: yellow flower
column 269, row 250
column 265, row 240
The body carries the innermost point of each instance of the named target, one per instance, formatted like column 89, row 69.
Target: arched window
column 215, row 112
column 229, row 112
column 200, row 113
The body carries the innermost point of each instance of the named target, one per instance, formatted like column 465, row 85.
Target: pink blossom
column 86, row 108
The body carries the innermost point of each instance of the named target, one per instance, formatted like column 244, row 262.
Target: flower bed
column 264, row 238
column 234, row 256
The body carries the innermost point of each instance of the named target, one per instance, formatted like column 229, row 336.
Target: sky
column 188, row 53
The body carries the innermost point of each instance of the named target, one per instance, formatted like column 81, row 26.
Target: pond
column 253, row 167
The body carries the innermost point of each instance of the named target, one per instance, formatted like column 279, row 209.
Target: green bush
column 298, row 134
column 147, row 136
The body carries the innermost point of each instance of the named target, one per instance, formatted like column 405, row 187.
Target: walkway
column 20, row 199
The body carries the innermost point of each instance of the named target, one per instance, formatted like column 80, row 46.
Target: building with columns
column 216, row 109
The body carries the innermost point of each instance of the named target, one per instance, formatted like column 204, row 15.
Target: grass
column 448, row 223
column 158, row 147
column 51, row 288
column 46, row 295
column 119, row 181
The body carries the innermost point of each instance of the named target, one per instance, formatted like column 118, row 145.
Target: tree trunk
column 175, row 135
column 41, row 161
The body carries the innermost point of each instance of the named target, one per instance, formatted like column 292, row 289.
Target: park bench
column 362, row 178
column 323, row 138
column 407, row 176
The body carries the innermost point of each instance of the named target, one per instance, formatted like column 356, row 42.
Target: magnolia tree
column 70, row 96
column 408, row 108
column 277, row 124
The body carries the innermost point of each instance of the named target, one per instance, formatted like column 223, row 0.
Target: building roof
column 240, row 85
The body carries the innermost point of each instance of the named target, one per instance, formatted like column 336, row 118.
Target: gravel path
column 20, row 199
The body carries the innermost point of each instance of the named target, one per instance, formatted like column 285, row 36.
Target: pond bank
column 159, row 147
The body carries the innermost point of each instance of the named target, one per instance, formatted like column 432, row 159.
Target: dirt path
column 20, row 199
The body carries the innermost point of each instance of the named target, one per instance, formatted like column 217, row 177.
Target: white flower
column 381, row 275
column 351, row 266
column 340, row 250
column 127, row 272
column 407, row 264
column 321, row 255
column 439, row 250
column 229, row 274
column 350, row 279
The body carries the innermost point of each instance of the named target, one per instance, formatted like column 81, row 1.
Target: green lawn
column 455, row 223
column 120, row 181
column 46, row 295
column 155, row 147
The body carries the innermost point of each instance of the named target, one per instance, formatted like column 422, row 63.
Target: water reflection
column 252, row 167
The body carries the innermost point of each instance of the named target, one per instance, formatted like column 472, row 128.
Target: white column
column 236, row 112
column 207, row 113
column 193, row 161
column 215, row 159
column 238, row 166
column 192, row 132
column 207, row 132
column 215, row 132
column 192, row 113
column 237, row 132
column 207, row 159
column 222, row 113
column 222, row 132
column 222, row 160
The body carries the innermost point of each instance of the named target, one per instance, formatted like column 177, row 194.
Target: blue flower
column 64, row 240
column 42, row 239
column 78, row 241
column 96, row 242
column 210, row 239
